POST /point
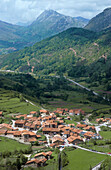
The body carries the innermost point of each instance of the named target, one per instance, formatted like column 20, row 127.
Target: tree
column 94, row 142
column 18, row 164
column 36, row 143
column 21, row 98
column 64, row 159
column 80, row 116
column 90, row 167
column 57, row 151
column 23, row 159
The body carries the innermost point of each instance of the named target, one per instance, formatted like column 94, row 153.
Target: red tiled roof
column 51, row 130
column 3, row 132
column 33, row 112
column 44, row 111
column 40, row 154
column 81, row 125
column 17, row 133
column 1, row 113
column 33, row 161
column 20, row 121
column 19, row 116
column 32, row 139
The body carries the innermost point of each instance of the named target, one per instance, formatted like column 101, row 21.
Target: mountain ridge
column 47, row 24
column 100, row 22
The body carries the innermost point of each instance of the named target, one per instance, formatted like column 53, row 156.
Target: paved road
column 30, row 102
column 10, row 71
column 85, row 149
column 85, row 88
column 97, row 166
column 82, row 86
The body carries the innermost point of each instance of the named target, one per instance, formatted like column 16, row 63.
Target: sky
column 14, row 11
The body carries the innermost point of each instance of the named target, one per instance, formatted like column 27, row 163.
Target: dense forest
column 47, row 88
column 76, row 51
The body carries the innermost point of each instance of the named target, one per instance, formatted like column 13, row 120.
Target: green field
column 11, row 145
column 10, row 103
column 82, row 160
column 106, row 134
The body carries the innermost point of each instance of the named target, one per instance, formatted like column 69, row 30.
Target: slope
column 100, row 22
column 54, row 54
column 75, row 52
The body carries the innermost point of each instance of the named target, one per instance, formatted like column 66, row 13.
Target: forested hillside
column 76, row 51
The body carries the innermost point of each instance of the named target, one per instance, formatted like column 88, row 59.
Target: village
column 49, row 129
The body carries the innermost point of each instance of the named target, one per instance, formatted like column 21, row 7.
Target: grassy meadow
column 11, row 145
column 10, row 103
column 82, row 160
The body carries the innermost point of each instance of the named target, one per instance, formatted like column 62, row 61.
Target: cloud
column 27, row 10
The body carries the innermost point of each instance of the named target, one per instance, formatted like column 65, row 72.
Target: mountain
column 47, row 24
column 51, row 22
column 11, row 37
column 24, row 23
column 100, row 22
column 8, row 34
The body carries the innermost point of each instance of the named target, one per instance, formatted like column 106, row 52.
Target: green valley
column 55, row 94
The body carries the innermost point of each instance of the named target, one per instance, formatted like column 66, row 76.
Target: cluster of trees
column 106, row 164
column 14, row 160
column 43, row 88
column 39, row 88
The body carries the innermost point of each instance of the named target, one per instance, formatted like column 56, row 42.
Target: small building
column 20, row 123
column 40, row 155
column 5, row 126
column 1, row 114
column 74, row 140
column 33, row 113
column 17, row 134
column 36, row 163
column 51, row 131
column 45, row 112
column 57, row 140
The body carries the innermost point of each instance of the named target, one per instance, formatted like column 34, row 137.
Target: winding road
column 82, row 86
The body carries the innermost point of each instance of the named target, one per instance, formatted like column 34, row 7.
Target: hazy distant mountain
column 8, row 31
column 100, row 22
column 24, row 24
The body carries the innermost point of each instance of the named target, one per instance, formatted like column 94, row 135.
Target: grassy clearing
column 82, row 160
column 11, row 145
column 10, row 103
column 102, row 148
column 70, row 122
column 106, row 134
